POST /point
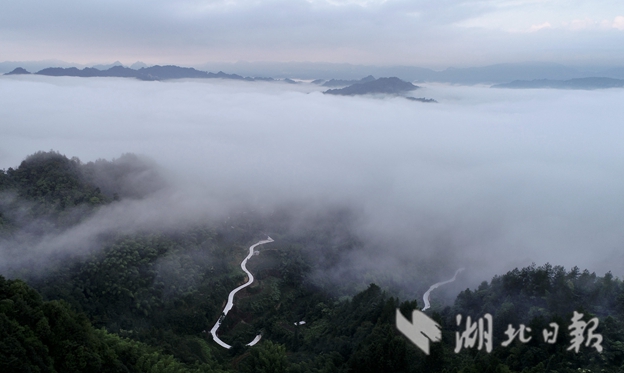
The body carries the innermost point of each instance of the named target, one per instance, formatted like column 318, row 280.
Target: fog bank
column 487, row 179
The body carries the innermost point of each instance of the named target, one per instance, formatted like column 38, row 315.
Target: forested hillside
column 143, row 301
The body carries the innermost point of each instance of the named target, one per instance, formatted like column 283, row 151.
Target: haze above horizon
column 449, row 33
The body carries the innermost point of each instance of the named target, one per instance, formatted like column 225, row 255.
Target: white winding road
column 230, row 302
column 435, row 286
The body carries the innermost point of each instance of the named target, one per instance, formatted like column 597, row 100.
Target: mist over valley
column 134, row 202
column 311, row 186
column 487, row 179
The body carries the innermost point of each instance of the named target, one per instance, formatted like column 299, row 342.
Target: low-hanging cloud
column 487, row 179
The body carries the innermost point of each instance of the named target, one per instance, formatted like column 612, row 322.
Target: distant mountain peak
column 18, row 71
column 138, row 65
column 392, row 85
column 344, row 83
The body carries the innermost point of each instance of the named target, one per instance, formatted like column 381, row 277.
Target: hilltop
column 391, row 85
column 18, row 71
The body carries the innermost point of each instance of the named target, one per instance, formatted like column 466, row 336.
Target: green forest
column 145, row 301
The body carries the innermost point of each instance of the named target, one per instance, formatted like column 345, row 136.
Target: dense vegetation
column 38, row 336
column 144, row 301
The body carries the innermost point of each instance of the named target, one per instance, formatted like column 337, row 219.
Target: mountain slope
column 382, row 85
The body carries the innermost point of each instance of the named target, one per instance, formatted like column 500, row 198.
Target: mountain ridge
column 486, row 74
column 579, row 83
column 392, row 85
column 156, row 72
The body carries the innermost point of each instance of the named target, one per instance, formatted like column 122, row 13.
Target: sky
column 487, row 179
column 436, row 34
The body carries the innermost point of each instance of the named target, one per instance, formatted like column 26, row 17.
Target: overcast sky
column 429, row 33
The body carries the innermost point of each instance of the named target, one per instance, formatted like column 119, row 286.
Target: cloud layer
column 437, row 34
column 487, row 179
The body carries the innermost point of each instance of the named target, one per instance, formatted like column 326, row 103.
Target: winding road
column 435, row 286
column 230, row 302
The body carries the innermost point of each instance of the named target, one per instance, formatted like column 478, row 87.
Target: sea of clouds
column 487, row 179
